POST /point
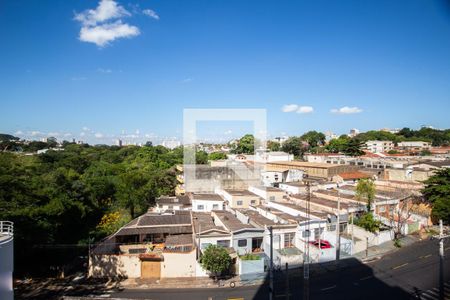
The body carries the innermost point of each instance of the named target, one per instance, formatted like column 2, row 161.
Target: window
column 223, row 243
column 200, row 207
column 305, row 233
column 253, row 202
column 288, row 240
column 382, row 208
column 215, row 206
column 239, row 202
column 272, row 198
column 242, row 243
column 317, row 233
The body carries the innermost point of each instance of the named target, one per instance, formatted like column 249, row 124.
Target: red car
column 323, row 244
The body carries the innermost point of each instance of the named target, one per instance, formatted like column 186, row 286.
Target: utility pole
column 306, row 250
column 287, row 281
column 353, row 239
column 441, row 261
column 441, row 238
column 338, row 227
column 367, row 247
column 271, row 264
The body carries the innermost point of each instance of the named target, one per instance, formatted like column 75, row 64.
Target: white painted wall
column 178, row 265
column 208, row 205
column 6, row 268
column 125, row 265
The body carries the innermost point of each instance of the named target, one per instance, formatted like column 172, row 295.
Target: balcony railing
column 6, row 227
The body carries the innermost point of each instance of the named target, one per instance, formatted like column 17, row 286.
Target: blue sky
column 129, row 68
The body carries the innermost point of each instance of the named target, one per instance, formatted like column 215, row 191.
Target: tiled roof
column 201, row 196
column 230, row 221
column 353, row 175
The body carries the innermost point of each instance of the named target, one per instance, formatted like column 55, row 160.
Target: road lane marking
column 365, row 278
column 328, row 288
column 399, row 266
column 425, row 256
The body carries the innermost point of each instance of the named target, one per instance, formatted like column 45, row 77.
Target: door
column 151, row 269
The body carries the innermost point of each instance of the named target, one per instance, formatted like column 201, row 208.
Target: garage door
column 151, row 269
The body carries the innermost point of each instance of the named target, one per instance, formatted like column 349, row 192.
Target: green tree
column 337, row 145
column 313, row 138
column 134, row 191
column 216, row 260
column 273, row 146
column 368, row 222
column 365, row 190
column 217, row 156
column 294, row 145
column 245, row 145
column 437, row 193
column 353, row 147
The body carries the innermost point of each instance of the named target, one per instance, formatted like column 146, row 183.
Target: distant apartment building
column 353, row 132
column 413, row 145
column 379, row 146
column 171, row 144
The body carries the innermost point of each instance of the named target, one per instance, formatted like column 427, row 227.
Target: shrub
column 216, row 260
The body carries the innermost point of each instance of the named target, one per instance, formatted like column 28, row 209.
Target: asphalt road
column 409, row 273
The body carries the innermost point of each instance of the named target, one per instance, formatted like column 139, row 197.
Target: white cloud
column 106, row 71
column 86, row 128
column 78, row 78
column 289, row 107
column 18, row 132
column 67, row 134
column 305, row 109
column 99, row 135
column 106, row 10
column 297, row 108
column 346, row 110
column 187, row 80
column 228, row 132
column 151, row 13
column 99, row 27
column 102, row 35
column 54, row 134
column 83, row 134
column 35, row 133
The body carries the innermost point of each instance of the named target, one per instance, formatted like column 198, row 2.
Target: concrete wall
column 125, row 265
column 250, row 266
column 178, row 265
column 408, row 175
column 374, row 239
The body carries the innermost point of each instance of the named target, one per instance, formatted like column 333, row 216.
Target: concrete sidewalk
column 376, row 252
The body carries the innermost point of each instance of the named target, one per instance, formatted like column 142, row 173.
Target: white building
column 207, row 202
column 171, row 144
column 413, row 145
column 6, row 260
column 354, row 132
column 379, row 146
column 271, row 156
